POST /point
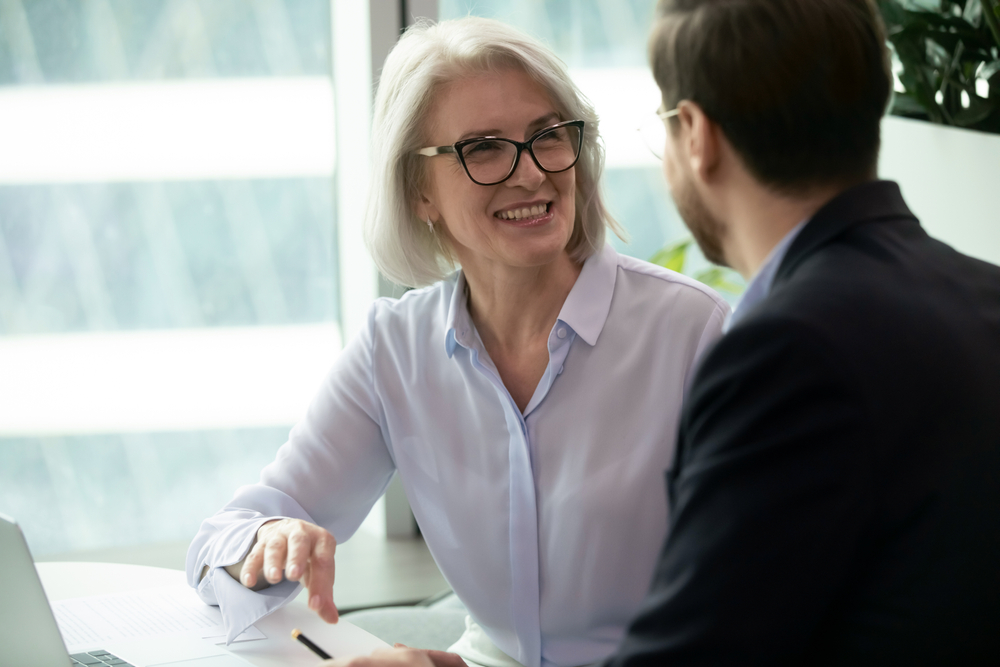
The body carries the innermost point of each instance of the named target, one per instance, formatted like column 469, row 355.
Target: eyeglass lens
column 492, row 160
column 654, row 135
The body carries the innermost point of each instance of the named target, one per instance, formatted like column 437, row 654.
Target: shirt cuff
column 242, row 607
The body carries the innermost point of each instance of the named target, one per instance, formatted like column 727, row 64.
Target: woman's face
column 486, row 225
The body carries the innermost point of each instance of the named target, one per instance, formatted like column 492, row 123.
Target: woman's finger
column 320, row 577
column 299, row 548
column 445, row 659
column 252, row 565
column 275, row 551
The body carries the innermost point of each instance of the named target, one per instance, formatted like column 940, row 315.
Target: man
column 835, row 498
column 836, row 492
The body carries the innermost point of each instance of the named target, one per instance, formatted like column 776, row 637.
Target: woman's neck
column 513, row 306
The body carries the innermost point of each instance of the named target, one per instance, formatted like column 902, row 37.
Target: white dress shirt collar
column 760, row 285
column 585, row 310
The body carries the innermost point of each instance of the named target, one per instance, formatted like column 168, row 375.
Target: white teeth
column 521, row 213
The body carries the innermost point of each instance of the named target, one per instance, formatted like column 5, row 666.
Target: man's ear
column 701, row 137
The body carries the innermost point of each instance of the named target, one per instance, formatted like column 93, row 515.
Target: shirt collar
column 760, row 285
column 459, row 323
column 587, row 306
column 585, row 310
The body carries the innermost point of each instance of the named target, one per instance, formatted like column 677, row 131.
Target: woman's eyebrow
column 538, row 123
column 546, row 120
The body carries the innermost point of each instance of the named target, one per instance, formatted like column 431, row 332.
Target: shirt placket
column 523, row 521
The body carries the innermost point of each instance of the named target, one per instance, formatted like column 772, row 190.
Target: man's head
column 797, row 88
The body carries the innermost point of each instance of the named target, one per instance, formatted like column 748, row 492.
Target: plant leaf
column 719, row 279
column 904, row 105
column 979, row 110
column 672, row 256
column 892, row 12
column 989, row 69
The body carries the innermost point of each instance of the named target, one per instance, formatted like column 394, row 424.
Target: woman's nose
column 527, row 174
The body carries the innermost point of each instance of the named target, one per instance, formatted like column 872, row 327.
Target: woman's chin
column 537, row 252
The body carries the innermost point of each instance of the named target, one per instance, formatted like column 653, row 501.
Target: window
column 169, row 273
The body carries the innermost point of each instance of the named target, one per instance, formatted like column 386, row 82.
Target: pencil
column 297, row 634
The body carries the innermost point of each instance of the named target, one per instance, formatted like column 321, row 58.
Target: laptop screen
column 28, row 631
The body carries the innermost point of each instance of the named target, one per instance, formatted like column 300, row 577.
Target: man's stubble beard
column 707, row 230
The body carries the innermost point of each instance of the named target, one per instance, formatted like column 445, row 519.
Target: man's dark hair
column 798, row 86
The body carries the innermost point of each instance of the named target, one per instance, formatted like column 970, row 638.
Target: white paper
column 248, row 635
column 155, row 612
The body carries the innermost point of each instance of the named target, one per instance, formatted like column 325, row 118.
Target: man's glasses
column 654, row 132
column 492, row 160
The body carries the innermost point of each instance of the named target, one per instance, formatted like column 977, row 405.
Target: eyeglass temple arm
column 436, row 150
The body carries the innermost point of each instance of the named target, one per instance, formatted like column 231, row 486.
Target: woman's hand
column 400, row 657
column 299, row 550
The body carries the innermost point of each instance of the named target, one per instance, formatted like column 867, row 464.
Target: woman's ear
column 426, row 211
column 424, row 207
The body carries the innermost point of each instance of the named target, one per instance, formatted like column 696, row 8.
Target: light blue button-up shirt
column 760, row 285
column 546, row 524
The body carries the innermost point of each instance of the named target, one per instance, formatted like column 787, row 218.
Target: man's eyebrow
column 537, row 124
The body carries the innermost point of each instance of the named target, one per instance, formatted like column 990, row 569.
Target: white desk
column 70, row 580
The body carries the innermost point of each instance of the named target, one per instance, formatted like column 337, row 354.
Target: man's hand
column 299, row 551
column 400, row 657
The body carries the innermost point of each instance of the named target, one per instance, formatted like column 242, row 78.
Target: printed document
column 155, row 612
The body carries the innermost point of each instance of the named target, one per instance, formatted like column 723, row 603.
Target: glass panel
column 168, row 260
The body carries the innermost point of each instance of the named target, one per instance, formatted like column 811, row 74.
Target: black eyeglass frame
column 457, row 147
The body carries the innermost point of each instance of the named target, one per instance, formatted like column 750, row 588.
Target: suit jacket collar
column 868, row 202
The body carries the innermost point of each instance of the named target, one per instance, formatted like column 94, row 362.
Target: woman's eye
column 482, row 147
column 553, row 137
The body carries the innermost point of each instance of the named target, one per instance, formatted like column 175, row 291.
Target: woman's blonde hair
column 427, row 56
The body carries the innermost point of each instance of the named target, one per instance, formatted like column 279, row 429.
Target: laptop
column 30, row 637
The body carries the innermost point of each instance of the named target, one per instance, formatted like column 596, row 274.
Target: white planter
column 950, row 177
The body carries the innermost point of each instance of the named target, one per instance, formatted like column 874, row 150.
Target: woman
column 529, row 401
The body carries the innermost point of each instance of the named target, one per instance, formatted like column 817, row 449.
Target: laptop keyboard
column 98, row 659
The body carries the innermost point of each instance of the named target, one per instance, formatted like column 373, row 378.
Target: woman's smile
column 527, row 214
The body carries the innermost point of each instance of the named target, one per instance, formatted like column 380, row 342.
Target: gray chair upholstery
column 436, row 626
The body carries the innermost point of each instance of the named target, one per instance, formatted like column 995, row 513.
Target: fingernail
column 275, row 573
column 293, row 572
column 314, row 602
column 246, row 578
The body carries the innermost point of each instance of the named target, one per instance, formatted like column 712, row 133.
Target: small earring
column 430, row 225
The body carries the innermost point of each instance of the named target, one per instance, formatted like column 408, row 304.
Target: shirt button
column 561, row 332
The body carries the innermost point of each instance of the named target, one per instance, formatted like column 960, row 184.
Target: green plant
column 674, row 257
column 949, row 53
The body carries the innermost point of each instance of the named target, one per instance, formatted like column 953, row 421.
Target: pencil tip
column 295, row 633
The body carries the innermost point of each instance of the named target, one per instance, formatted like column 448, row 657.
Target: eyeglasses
column 492, row 160
column 654, row 132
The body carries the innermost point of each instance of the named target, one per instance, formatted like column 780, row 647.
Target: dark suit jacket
column 836, row 493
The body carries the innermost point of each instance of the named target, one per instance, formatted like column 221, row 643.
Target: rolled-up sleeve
column 330, row 472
